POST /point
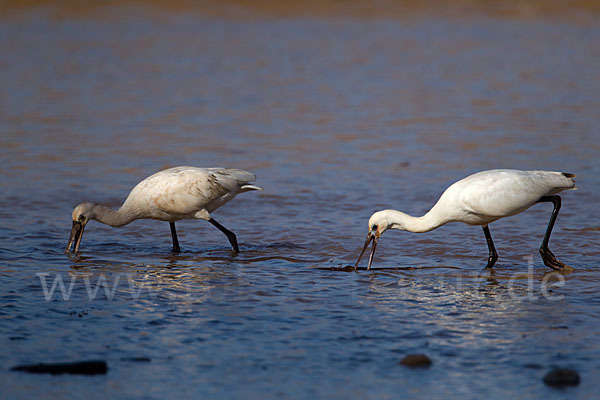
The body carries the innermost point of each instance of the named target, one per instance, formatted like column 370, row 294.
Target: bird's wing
column 182, row 192
column 179, row 191
column 499, row 193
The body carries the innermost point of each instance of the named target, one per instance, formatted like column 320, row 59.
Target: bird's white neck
column 405, row 222
column 112, row 217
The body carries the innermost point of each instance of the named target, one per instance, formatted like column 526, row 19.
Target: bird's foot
column 491, row 261
column 552, row 262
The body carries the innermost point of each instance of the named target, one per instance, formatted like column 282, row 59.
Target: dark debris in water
column 559, row 327
column 79, row 314
column 347, row 268
column 79, row 367
column 533, row 366
column 350, row 268
column 416, row 361
column 559, row 377
column 136, row 359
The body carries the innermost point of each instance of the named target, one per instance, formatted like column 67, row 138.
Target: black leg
column 176, row 248
column 493, row 255
column 230, row 235
column 549, row 258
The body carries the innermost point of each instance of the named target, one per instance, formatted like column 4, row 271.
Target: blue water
column 338, row 117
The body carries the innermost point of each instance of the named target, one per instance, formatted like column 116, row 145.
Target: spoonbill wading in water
column 480, row 199
column 170, row 195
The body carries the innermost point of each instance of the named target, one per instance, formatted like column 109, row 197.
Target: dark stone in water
column 80, row 367
column 559, row 377
column 416, row 361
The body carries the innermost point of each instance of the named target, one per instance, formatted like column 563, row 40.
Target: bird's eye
column 374, row 228
column 81, row 218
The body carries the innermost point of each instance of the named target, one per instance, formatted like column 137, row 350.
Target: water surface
column 339, row 116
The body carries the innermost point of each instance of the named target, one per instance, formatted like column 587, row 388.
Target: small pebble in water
column 559, row 377
column 416, row 361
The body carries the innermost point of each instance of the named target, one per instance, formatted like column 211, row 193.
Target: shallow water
column 338, row 117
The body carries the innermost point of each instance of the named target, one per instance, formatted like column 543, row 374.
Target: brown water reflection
column 525, row 9
column 340, row 109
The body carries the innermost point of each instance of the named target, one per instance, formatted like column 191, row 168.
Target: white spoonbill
column 480, row 199
column 170, row 195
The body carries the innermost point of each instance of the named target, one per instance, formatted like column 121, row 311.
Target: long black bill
column 370, row 237
column 75, row 236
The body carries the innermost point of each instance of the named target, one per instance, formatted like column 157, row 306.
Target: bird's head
column 81, row 215
column 378, row 223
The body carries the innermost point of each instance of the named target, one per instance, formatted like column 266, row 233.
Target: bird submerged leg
column 230, row 235
column 493, row 255
column 549, row 258
column 176, row 248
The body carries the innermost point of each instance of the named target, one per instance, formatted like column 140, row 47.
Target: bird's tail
column 571, row 178
column 235, row 179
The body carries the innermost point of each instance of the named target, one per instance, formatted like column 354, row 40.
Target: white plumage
column 481, row 199
column 170, row 195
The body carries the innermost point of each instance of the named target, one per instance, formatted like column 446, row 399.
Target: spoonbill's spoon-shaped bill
column 169, row 195
column 481, row 199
